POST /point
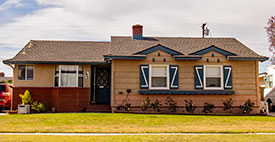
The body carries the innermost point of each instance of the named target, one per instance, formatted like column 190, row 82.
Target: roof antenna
column 205, row 30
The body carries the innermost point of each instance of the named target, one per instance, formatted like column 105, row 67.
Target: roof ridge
column 176, row 37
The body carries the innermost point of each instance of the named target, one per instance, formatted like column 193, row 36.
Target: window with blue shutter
column 174, row 77
column 198, row 76
column 227, row 77
column 144, row 76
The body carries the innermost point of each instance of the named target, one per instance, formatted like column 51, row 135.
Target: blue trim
column 187, row 58
column 55, row 62
column 144, row 76
column 188, row 92
column 159, row 47
column 126, row 57
column 213, row 48
column 246, row 58
column 174, row 76
column 138, row 37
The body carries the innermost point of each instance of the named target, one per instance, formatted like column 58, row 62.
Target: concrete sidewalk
column 131, row 134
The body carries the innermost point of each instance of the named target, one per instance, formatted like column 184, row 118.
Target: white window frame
column 26, row 72
column 59, row 75
column 167, row 77
column 204, row 78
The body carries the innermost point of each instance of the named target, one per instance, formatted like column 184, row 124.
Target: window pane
column 159, row 82
column 80, row 81
column 21, row 72
column 56, row 80
column 213, row 82
column 159, row 70
column 213, row 71
column 68, row 76
column 29, row 72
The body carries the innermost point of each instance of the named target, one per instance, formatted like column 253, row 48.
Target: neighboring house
column 269, row 78
column 73, row 76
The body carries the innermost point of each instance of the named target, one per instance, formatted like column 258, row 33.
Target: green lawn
column 142, row 138
column 131, row 123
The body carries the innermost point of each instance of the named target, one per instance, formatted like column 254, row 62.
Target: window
column 68, row 76
column 269, row 81
column 213, row 77
column 25, row 72
column 159, row 77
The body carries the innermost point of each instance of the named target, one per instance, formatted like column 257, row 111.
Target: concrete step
column 99, row 108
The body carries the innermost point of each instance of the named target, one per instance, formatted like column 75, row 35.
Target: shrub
column 156, row 105
column 227, row 104
column 38, row 107
column 145, row 104
column 247, row 107
column 189, row 106
column 208, row 107
column 26, row 98
column 125, row 103
column 172, row 104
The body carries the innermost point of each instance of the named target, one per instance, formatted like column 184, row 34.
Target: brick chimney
column 137, row 31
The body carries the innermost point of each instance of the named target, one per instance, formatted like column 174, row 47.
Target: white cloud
column 99, row 19
column 11, row 3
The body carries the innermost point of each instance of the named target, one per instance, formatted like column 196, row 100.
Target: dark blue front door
column 102, row 85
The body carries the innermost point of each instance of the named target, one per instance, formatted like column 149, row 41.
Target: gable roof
column 66, row 52
column 213, row 48
column 126, row 46
column 158, row 47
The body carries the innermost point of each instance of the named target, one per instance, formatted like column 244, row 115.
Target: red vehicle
column 5, row 96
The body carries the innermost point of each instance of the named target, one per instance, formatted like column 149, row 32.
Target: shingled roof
column 126, row 46
column 87, row 52
column 44, row 51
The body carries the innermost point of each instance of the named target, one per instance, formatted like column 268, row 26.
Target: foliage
column 208, row 107
column 156, row 105
column 125, row 103
column 145, row 104
column 172, row 104
column 26, row 98
column 270, row 30
column 38, row 107
column 247, row 107
column 189, row 106
column 227, row 104
column 9, row 81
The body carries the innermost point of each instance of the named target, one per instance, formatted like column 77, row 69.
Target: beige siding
column 126, row 75
column 44, row 76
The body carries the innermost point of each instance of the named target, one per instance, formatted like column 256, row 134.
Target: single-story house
column 76, row 76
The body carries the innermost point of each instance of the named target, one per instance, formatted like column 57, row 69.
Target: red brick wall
column 71, row 99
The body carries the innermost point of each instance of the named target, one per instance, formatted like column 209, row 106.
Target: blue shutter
column 227, row 77
column 144, row 76
column 198, row 76
column 174, row 77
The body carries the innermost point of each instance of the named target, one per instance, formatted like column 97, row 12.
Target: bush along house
column 137, row 73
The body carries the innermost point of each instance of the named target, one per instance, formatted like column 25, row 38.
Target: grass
column 134, row 123
column 142, row 138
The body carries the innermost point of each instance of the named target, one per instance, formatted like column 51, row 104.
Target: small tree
column 172, row 104
column 208, row 107
column 189, row 106
column 156, row 105
column 247, row 107
column 145, row 104
column 270, row 30
column 26, row 98
column 227, row 104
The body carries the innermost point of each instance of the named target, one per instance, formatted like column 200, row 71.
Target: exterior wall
column 126, row 75
column 44, row 76
column 72, row 99
column 64, row 99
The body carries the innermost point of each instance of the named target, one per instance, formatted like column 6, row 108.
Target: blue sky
column 23, row 20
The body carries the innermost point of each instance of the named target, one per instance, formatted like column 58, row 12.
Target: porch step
column 105, row 108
